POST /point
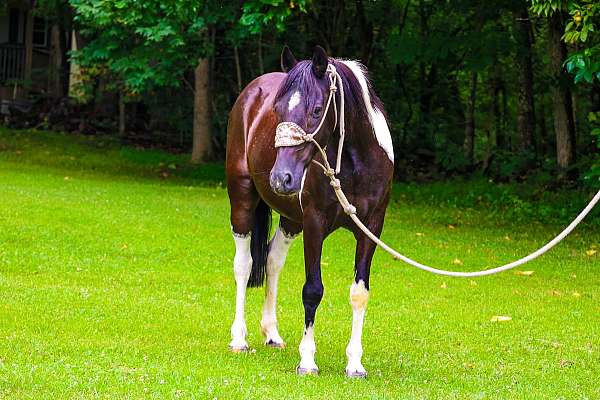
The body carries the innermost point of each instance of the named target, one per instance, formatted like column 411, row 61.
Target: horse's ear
column 288, row 61
column 319, row 61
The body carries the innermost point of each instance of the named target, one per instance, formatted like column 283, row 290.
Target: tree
column 525, row 102
column 564, row 124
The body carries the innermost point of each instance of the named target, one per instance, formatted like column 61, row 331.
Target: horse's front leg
column 312, row 293
column 359, row 297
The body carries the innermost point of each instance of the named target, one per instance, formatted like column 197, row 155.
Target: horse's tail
column 259, row 244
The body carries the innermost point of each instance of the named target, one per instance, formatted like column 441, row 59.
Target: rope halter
column 289, row 133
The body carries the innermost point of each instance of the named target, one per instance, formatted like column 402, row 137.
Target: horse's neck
column 358, row 145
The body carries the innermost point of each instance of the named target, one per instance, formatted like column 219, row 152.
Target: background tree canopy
column 510, row 91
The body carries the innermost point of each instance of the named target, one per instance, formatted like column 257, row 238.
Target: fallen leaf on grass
column 451, row 226
column 566, row 363
column 576, row 294
column 506, row 237
column 500, row 318
column 419, row 234
column 67, row 178
column 591, row 252
column 556, row 293
column 457, row 262
column 524, row 273
column 472, row 283
column 444, row 286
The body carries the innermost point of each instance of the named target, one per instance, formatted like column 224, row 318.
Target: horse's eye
column 317, row 111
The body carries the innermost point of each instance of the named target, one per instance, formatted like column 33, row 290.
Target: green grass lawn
column 116, row 282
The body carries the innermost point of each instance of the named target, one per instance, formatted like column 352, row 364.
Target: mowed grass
column 116, row 282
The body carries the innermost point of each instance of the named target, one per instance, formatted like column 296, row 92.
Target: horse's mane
column 302, row 78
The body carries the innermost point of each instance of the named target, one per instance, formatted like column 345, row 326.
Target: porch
column 23, row 47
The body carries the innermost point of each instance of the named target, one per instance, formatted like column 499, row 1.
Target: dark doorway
column 13, row 25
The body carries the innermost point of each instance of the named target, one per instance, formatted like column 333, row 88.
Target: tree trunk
column 525, row 101
column 261, row 64
column 55, row 84
column 28, row 46
column 543, row 135
column 238, row 69
column 496, row 89
column 365, row 30
column 469, row 143
column 201, row 143
column 121, row 114
column 564, row 125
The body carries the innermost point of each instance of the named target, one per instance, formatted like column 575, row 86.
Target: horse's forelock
column 302, row 78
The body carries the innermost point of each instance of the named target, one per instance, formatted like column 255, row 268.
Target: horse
column 262, row 177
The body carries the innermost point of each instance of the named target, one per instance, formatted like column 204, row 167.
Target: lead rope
column 291, row 134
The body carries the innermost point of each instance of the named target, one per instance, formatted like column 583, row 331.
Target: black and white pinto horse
column 261, row 178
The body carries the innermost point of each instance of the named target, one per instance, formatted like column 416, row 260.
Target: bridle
column 289, row 133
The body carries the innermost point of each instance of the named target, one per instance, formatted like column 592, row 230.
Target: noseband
column 289, row 133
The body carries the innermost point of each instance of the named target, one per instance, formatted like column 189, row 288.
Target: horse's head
column 301, row 102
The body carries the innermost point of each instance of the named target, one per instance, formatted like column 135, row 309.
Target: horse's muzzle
column 284, row 182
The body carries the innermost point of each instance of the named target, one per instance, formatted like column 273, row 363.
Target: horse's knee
column 278, row 251
column 359, row 296
column 312, row 293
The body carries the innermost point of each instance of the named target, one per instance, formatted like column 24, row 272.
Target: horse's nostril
column 287, row 180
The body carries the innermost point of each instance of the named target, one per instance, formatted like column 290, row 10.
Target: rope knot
column 335, row 183
column 350, row 209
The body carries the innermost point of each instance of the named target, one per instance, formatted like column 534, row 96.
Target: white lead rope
column 290, row 134
column 351, row 211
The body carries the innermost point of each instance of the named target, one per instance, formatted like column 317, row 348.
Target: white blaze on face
column 294, row 100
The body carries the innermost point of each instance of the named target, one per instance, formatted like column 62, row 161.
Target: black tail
column 259, row 244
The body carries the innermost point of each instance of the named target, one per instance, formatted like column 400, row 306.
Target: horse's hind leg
column 243, row 199
column 278, row 249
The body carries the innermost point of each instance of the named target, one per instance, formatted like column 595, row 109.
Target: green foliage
column 547, row 7
column 593, row 175
column 154, row 43
column 581, row 29
column 585, row 65
column 143, row 44
column 259, row 14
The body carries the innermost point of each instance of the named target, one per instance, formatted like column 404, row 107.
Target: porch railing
column 12, row 62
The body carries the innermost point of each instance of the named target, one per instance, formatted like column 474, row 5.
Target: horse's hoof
column 239, row 349
column 356, row 374
column 275, row 345
column 307, row 371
